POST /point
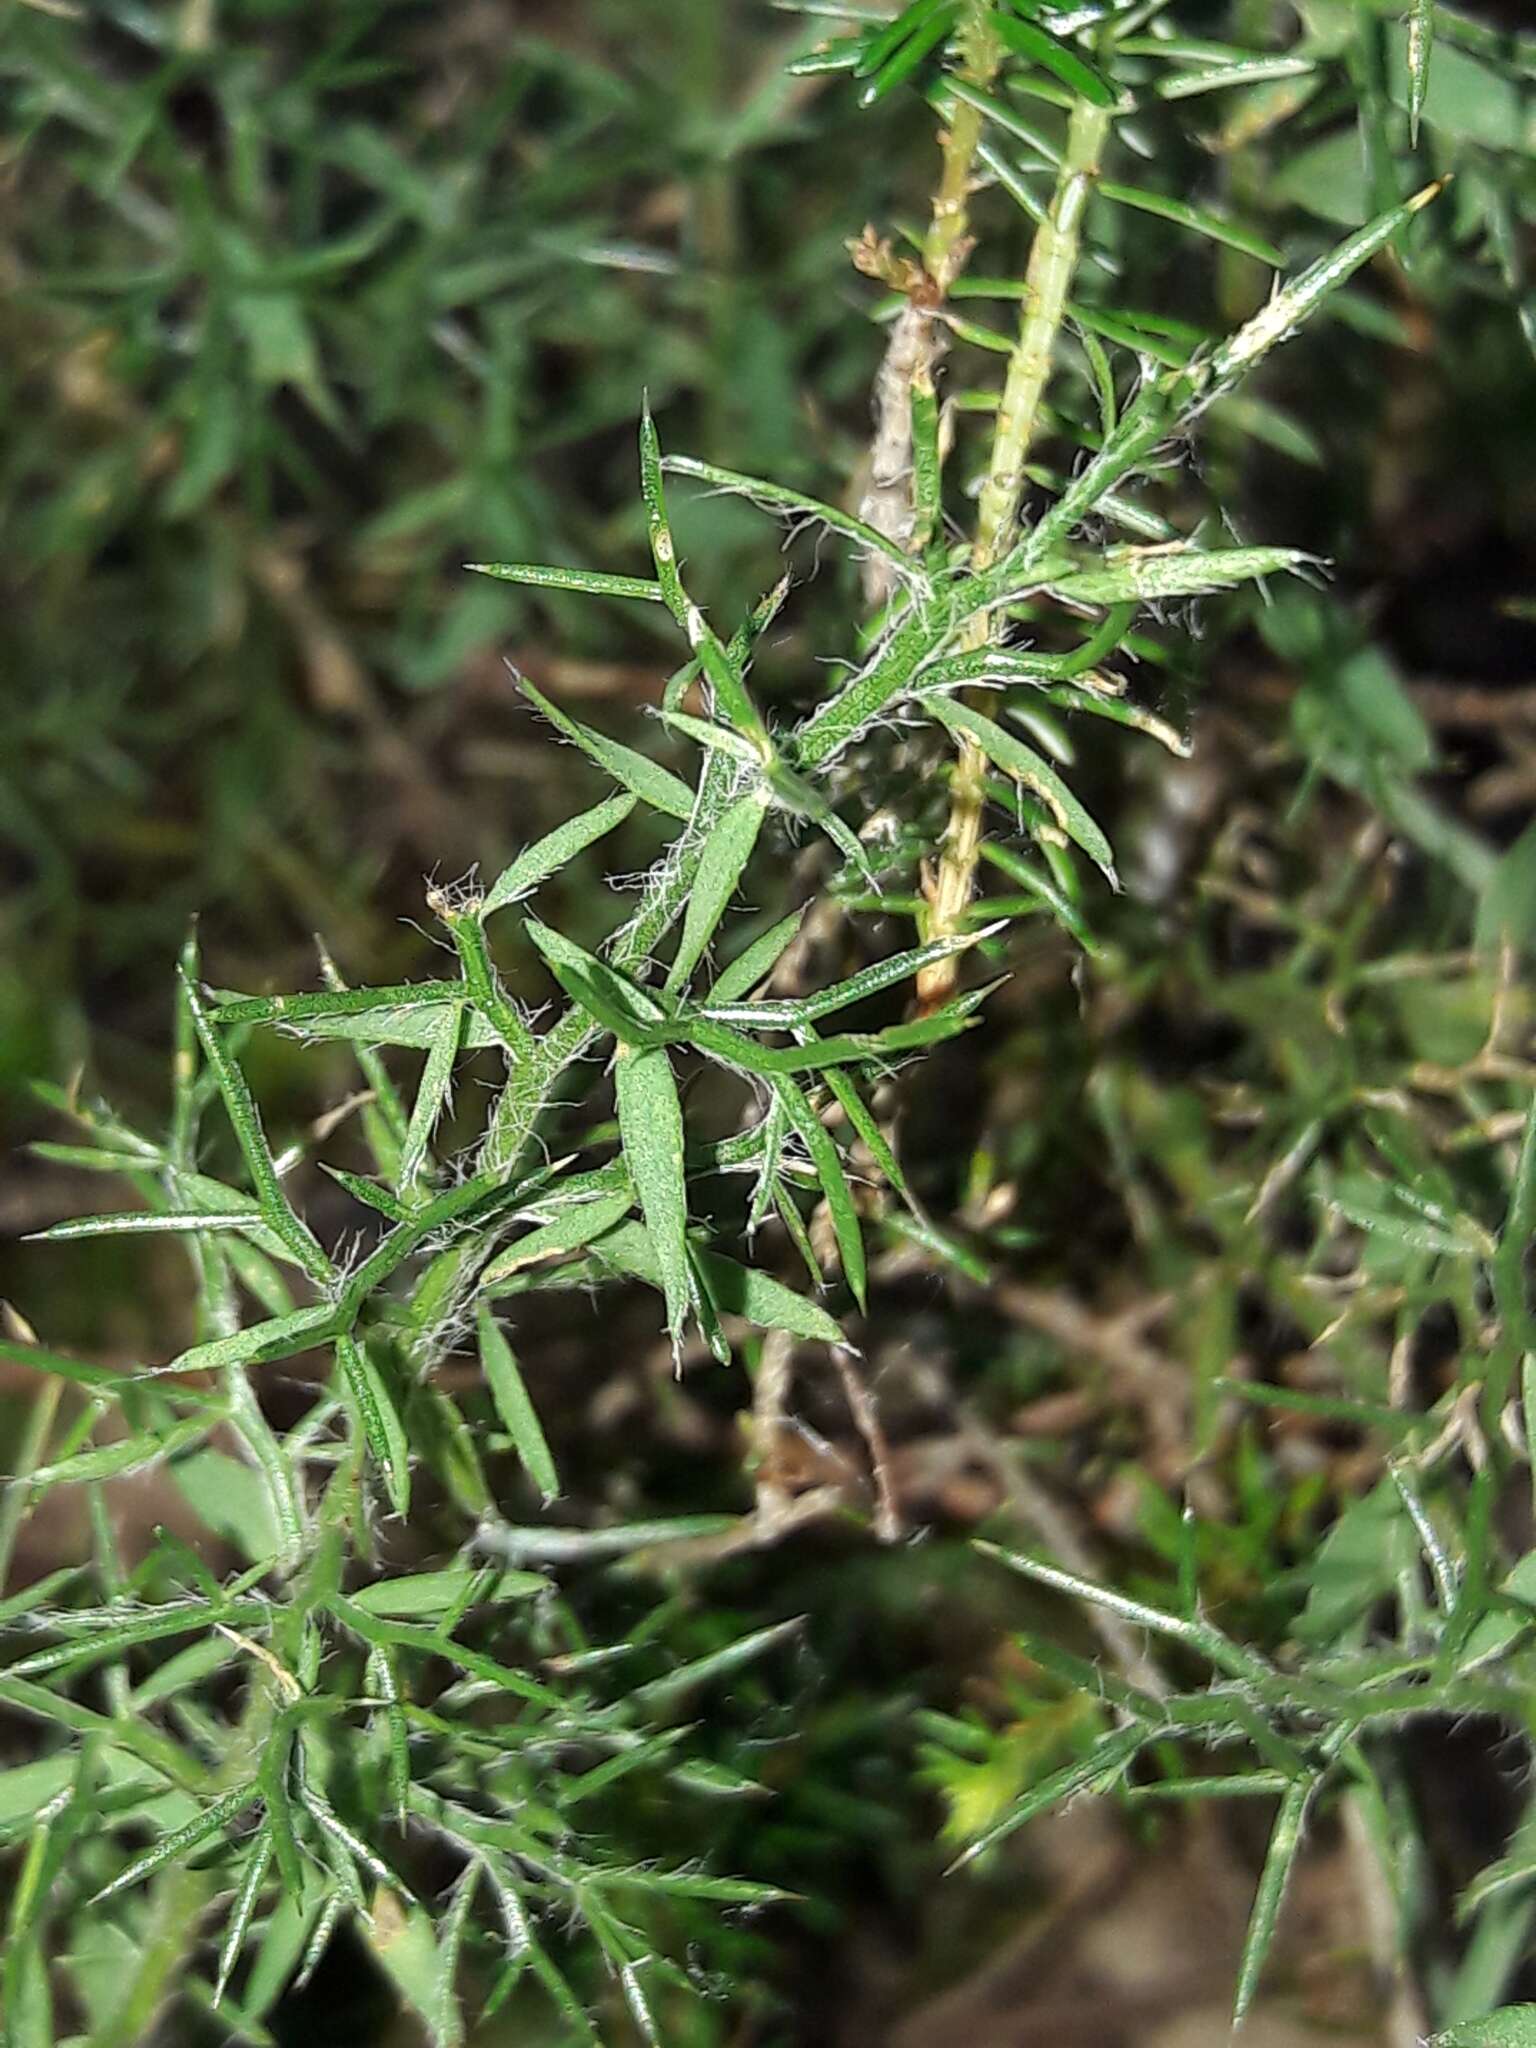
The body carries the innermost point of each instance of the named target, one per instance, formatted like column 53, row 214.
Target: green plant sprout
column 289, row 1746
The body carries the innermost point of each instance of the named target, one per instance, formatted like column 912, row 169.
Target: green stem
column 917, row 340
column 949, row 224
column 1053, row 262
column 1048, row 281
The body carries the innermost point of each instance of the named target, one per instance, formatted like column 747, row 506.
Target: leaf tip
column 1428, row 193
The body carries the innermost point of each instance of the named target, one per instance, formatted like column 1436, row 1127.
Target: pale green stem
column 916, row 340
column 1052, row 264
column 950, row 221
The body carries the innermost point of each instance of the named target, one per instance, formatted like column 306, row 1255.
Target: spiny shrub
column 320, row 1736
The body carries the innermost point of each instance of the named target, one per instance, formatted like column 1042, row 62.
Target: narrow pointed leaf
column 882, row 45
column 1200, row 220
column 1037, row 45
column 115, row 1461
column 1035, row 773
column 745, row 1291
column 733, row 1288
column 609, row 998
column 276, row 1209
column 382, row 1427
column 517, row 1412
column 720, row 739
column 243, row 1908
column 721, row 668
column 1296, row 302
column 664, row 1692
column 757, row 962
column 278, row 1337
column 586, row 582
column 726, row 853
column 778, row 498
column 1284, row 1841
column 567, row 1231
column 180, row 1840
column 1104, row 1764
column 317, row 1004
column 651, row 1126
column 647, row 779
column 441, row 1593
column 1149, row 574
column 369, row 1193
column 546, row 856
column 145, row 1222
column 432, row 1091
column 382, row 1677
column 827, row 1160
column 798, row 1011
column 861, row 1118
column 1421, row 45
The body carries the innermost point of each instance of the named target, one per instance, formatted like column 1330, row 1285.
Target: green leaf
column 383, row 1678
column 1183, row 85
column 230, row 1498
column 647, row 779
column 1284, row 1841
column 1147, row 574
column 720, row 739
column 1037, row 45
column 446, row 2019
column 827, row 1160
column 722, row 668
column 1036, row 775
column 861, row 1119
column 1200, row 1636
column 567, row 1231
column 318, row 1004
column 1104, row 1765
column 438, row 1593
column 143, row 1222
column 420, row 1961
column 725, row 854
column 1200, row 220
column 665, row 1692
column 800, row 1011
column 180, row 1841
column 882, row 44
column 279, row 1337
column 1291, row 307
column 733, row 1288
column 609, row 998
column 114, row 1461
column 517, row 1412
column 778, row 498
column 1512, row 2026
column 739, row 1290
column 369, row 1193
column 1506, row 915
column 757, row 962
column 78, row 1371
column 242, row 1909
column 382, row 1427
column 413, row 1024
column 432, row 1091
column 276, row 1209
column 651, row 1127
column 589, row 582
column 282, row 345
column 1355, row 1566
column 1462, row 99
column 536, row 863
